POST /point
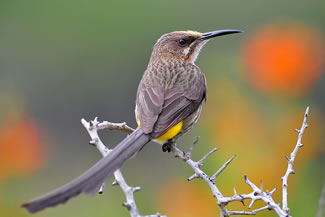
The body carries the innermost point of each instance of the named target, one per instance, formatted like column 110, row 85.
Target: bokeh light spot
column 21, row 151
column 284, row 59
column 182, row 199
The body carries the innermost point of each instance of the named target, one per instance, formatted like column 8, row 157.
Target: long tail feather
column 91, row 180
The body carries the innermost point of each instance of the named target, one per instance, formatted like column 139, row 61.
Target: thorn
column 200, row 162
column 292, row 172
column 114, row 183
column 251, row 204
column 298, row 131
column 242, row 201
column 261, row 186
column 92, row 143
column 235, row 192
column 287, row 158
column 135, row 189
column 128, row 206
column 194, row 176
column 189, row 153
column 214, row 176
column 197, row 139
column 306, row 113
column 101, row 190
column 272, row 192
column 301, row 145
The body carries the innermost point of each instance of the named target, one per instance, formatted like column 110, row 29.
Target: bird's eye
column 182, row 42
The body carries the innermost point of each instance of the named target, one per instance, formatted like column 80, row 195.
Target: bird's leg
column 167, row 146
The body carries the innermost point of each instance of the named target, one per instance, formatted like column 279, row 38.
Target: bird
column 169, row 101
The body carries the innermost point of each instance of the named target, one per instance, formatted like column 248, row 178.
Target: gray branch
column 92, row 127
column 290, row 164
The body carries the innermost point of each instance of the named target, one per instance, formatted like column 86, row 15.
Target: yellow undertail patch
column 171, row 133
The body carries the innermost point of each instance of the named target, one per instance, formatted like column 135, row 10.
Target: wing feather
column 159, row 109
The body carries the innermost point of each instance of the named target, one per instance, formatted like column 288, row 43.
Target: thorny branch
column 92, row 127
column 222, row 201
column 290, row 164
column 257, row 193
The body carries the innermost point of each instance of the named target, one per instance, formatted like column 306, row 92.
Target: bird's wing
column 160, row 109
column 149, row 104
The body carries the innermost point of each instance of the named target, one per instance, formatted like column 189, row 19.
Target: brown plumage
column 172, row 87
column 171, row 91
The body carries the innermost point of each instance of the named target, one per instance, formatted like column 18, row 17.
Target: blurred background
column 61, row 61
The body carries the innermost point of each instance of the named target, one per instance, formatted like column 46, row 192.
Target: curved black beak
column 213, row 34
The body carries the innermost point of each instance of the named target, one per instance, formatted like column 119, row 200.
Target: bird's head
column 184, row 45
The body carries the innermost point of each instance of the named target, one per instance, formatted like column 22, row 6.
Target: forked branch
column 92, row 127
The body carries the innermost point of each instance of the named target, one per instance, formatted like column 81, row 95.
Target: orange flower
column 21, row 151
column 284, row 59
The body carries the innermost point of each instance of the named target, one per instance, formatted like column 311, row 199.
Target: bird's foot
column 168, row 146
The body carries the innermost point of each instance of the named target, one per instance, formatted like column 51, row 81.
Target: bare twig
column 240, row 213
column 257, row 193
column 266, row 197
column 222, row 201
column 214, row 176
column 290, row 164
column 115, row 126
column 92, row 127
column 261, row 209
